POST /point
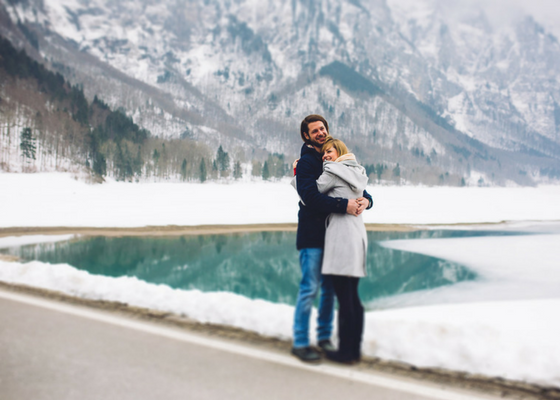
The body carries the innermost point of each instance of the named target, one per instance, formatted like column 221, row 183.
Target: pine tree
column 155, row 158
column 27, row 144
column 215, row 171
column 184, row 169
column 379, row 168
column 163, row 162
column 237, row 170
column 99, row 164
column 265, row 171
column 397, row 171
column 79, row 104
column 123, row 163
column 222, row 159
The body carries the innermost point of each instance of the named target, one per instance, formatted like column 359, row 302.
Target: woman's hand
column 362, row 204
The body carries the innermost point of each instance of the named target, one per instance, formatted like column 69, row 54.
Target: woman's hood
column 349, row 171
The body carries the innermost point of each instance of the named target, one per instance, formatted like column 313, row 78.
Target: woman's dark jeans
column 350, row 316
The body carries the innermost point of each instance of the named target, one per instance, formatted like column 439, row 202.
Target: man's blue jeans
column 310, row 261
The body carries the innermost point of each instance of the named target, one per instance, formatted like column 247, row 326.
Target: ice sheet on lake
column 508, row 268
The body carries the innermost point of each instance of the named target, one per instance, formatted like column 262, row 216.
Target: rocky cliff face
column 443, row 94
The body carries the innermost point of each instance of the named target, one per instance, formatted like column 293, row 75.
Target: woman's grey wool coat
column 346, row 239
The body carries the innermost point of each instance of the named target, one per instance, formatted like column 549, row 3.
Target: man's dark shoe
column 306, row 354
column 326, row 345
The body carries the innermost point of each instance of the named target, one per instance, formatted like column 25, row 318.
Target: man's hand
column 363, row 203
column 353, row 207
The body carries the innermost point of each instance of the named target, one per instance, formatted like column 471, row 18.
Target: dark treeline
column 100, row 125
column 18, row 63
column 105, row 141
column 274, row 167
column 376, row 171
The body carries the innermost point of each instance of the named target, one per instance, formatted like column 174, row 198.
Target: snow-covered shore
column 487, row 326
column 54, row 199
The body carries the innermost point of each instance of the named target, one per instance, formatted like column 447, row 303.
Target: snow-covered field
column 55, row 199
column 503, row 324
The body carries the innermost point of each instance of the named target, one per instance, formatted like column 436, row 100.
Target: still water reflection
column 261, row 265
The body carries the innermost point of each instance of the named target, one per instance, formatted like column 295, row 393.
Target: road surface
column 52, row 350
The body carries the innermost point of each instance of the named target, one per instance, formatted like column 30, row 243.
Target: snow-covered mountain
column 444, row 94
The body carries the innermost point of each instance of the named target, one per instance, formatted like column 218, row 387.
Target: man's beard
column 315, row 143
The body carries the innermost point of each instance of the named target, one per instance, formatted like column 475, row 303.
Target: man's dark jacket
column 312, row 215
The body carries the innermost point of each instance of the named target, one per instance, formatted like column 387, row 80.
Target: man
column 313, row 211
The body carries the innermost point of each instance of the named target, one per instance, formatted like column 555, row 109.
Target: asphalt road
column 50, row 350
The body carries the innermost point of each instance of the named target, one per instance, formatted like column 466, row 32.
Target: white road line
column 344, row 373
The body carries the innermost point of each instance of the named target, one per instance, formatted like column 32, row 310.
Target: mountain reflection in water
column 262, row 265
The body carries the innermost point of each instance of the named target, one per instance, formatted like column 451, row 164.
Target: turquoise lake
column 262, row 265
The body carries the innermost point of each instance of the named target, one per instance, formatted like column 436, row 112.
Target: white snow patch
column 515, row 340
column 16, row 241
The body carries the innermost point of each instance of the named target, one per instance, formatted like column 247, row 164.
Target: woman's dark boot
column 345, row 352
column 340, row 357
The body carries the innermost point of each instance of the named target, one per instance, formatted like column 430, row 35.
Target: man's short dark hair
column 309, row 119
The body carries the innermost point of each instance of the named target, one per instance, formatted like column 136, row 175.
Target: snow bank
column 214, row 307
column 515, row 340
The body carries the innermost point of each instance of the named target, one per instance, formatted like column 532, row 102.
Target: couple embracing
column 332, row 243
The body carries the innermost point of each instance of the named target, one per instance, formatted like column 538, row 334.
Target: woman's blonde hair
column 338, row 145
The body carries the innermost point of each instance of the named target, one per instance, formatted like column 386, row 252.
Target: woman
column 344, row 257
